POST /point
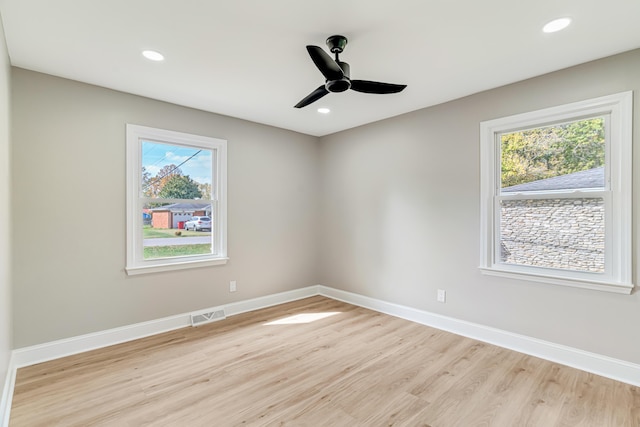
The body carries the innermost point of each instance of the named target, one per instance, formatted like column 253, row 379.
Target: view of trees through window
column 547, row 152
column 553, row 232
column 176, row 184
column 556, row 194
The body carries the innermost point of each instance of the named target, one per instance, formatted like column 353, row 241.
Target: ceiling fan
column 337, row 74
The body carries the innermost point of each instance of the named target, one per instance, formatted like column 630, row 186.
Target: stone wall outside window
column 553, row 233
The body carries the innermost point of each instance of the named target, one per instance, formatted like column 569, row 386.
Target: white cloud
column 202, row 179
column 152, row 169
column 174, row 158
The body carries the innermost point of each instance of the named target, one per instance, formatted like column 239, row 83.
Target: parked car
column 198, row 223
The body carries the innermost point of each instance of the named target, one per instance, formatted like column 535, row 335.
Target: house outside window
column 176, row 200
column 556, row 195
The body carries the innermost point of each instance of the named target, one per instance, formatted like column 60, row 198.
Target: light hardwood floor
column 353, row 368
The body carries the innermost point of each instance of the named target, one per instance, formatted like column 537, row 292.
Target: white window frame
column 136, row 264
column 618, row 110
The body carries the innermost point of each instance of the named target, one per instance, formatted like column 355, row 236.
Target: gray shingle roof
column 590, row 178
column 183, row 206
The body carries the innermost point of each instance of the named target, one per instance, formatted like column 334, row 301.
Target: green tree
column 528, row 155
column 153, row 186
column 205, row 190
column 545, row 152
column 583, row 146
column 180, row 187
column 146, row 177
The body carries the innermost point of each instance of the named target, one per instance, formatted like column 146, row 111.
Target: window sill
column 173, row 266
column 619, row 288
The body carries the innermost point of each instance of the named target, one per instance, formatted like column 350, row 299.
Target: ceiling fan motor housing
column 344, row 83
column 338, row 85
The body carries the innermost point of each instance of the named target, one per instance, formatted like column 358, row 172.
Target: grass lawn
column 149, row 232
column 179, row 250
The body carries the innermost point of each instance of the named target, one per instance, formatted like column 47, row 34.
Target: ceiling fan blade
column 367, row 86
column 327, row 66
column 312, row 97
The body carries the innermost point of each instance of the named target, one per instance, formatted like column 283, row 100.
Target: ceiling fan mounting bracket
column 337, row 43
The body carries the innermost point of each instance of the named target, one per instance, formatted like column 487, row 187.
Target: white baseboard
column 270, row 300
column 7, row 394
column 605, row 366
column 27, row 356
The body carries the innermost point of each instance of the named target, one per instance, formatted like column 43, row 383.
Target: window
column 556, row 195
column 176, row 200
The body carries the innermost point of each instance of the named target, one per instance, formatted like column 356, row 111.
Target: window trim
column 618, row 168
column 135, row 264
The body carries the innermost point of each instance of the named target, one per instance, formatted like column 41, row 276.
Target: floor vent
column 208, row 317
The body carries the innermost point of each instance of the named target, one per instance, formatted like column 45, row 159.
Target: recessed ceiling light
column 152, row 55
column 556, row 25
column 324, row 110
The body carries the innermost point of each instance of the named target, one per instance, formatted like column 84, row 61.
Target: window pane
column 175, row 172
column 560, row 157
column 553, row 233
column 176, row 229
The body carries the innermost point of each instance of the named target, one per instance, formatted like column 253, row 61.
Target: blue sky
column 156, row 155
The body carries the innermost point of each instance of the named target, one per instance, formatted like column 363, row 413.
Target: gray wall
column 400, row 216
column 5, row 190
column 68, row 205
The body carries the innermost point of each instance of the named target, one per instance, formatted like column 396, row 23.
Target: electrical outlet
column 232, row 286
column 442, row 295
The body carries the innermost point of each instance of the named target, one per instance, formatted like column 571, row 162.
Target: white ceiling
column 247, row 58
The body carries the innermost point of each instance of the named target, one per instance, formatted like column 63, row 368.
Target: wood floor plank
column 349, row 367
